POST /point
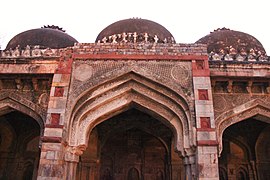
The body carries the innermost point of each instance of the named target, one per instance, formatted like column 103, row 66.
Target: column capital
column 73, row 153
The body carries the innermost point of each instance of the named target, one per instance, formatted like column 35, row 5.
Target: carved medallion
column 180, row 74
column 83, row 72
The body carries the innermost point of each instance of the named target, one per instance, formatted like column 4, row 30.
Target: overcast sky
column 187, row 20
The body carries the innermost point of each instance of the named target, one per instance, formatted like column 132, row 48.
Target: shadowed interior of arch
column 131, row 139
column 19, row 145
column 243, row 149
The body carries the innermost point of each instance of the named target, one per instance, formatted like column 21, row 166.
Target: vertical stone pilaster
column 207, row 155
column 52, row 164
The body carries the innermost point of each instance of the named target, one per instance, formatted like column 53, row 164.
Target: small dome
column 135, row 30
column 225, row 39
column 44, row 37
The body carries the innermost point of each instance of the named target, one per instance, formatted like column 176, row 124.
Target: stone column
column 190, row 167
column 187, row 169
column 72, row 156
column 71, row 166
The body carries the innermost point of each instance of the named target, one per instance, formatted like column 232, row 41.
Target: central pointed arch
column 127, row 91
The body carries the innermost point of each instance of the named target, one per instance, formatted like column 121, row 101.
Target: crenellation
column 29, row 52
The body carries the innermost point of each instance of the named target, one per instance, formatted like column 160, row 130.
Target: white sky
column 187, row 20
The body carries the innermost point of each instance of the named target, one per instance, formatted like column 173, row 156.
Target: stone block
column 53, row 132
column 65, row 78
column 43, row 155
column 52, row 110
column 208, row 149
column 55, row 118
column 59, row 92
column 57, row 77
column 206, row 135
column 204, row 108
column 52, row 91
column 205, row 122
column 201, row 83
column 203, row 94
column 208, row 171
column 50, row 155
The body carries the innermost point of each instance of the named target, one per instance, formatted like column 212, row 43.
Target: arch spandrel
column 240, row 113
column 122, row 70
column 101, row 103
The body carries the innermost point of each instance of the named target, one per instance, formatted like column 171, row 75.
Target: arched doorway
column 19, row 146
column 130, row 145
column 241, row 150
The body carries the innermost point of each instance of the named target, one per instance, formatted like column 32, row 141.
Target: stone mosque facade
column 134, row 105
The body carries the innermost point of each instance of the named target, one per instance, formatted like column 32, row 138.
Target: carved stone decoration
column 180, row 74
column 19, row 84
column 16, row 52
column 36, row 51
column 135, row 37
column 240, row 99
column 104, row 40
column 220, row 103
column 145, row 37
column 83, row 72
column 124, row 35
column 26, row 52
column 156, row 39
column 48, row 52
column 43, row 100
column 114, row 37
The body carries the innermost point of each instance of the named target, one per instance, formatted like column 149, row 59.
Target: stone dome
column 226, row 40
column 135, row 30
column 44, row 37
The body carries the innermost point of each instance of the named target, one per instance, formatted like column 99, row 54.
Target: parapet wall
column 157, row 49
column 140, row 48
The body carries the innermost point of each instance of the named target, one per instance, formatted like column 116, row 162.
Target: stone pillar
column 72, row 156
column 71, row 160
column 207, row 154
column 187, row 169
column 190, row 168
column 51, row 163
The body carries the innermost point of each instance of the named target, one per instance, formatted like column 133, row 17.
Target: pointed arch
column 14, row 102
column 250, row 109
column 127, row 91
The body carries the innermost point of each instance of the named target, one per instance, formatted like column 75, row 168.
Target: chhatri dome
column 226, row 40
column 135, row 30
column 47, row 37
